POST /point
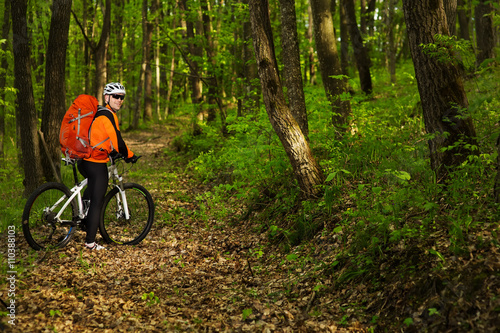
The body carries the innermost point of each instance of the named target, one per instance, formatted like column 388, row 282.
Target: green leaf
column 246, row 313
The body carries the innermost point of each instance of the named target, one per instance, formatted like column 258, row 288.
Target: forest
column 316, row 165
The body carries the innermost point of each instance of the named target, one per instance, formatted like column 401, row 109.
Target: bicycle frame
column 121, row 199
column 76, row 190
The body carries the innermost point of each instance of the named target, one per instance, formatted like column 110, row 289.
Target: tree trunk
column 450, row 8
column 485, row 33
column 390, row 45
column 147, row 37
column 54, row 105
column 195, row 52
column 310, row 68
column 441, row 89
column 3, row 77
column 291, row 60
column 363, row 62
column 344, row 39
column 100, row 54
column 367, row 18
column 156, row 7
column 306, row 170
column 25, row 110
column 463, row 13
column 326, row 46
column 213, row 93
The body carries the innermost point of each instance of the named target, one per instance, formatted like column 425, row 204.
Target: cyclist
column 105, row 134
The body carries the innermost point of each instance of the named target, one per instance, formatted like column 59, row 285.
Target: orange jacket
column 106, row 138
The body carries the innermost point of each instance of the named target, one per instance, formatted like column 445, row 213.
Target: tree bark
column 463, row 13
column 101, row 53
column 485, row 33
column 363, row 61
column 213, row 90
column 441, row 89
column 291, row 61
column 306, row 169
column 3, row 76
column 146, row 62
column 326, row 46
column 25, row 108
column 310, row 67
column 450, row 9
column 54, row 105
column 390, row 45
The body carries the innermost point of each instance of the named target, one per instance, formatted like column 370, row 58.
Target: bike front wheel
column 41, row 226
column 115, row 227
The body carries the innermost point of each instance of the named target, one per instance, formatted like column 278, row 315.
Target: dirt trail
column 192, row 275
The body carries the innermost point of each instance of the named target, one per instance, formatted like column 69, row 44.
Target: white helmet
column 114, row 88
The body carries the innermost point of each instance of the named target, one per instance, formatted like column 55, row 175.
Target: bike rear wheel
column 40, row 227
column 114, row 227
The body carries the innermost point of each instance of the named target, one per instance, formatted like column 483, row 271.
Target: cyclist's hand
column 132, row 159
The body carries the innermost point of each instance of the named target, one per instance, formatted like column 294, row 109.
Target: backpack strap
column 105, row 112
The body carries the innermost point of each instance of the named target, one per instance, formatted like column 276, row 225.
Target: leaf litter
column 195, row 275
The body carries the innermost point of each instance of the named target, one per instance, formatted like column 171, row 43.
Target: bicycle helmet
column 114, row 88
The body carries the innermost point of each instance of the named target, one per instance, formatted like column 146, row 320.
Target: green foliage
column 449, row 50
column 150, row 298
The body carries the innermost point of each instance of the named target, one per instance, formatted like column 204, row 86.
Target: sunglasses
column 122, row 97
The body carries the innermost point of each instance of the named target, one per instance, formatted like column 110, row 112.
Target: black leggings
column 97, row 174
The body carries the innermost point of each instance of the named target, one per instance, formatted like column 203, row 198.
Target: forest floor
column 205, row 275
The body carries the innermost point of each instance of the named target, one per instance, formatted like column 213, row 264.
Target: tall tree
column 450, row 9
column 25, row 108
column 54, row 104
column 3, row 74
column 363, row 61
column 306, row 169
column 291, row 61
column 441, row 88
column 101, row 54
column 147, row 30
column 463, row 13
column 213, row 98
column 485, row 33
column 99, row 50
column 390, row 26
column 326, row 46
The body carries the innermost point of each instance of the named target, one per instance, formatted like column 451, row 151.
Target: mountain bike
column 53, row 211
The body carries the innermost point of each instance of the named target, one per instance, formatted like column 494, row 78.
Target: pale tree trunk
column 344, row 39
column 291, row 60
column 331, row 73
column 485, row 33
column 170, row 84
column 306, row 169
column 390, row 45
column 54, row 105
column 310, row 51
column 170, row 81
column 361, row 56
column 25, row 106
column 156, row 7
column 441, row 89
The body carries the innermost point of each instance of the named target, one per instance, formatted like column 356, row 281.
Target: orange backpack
column 74, row 132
